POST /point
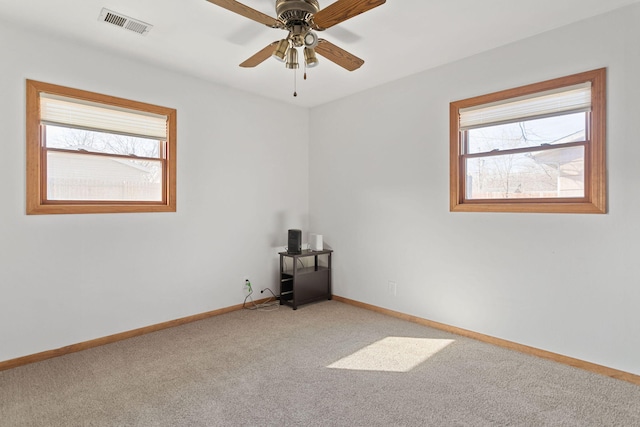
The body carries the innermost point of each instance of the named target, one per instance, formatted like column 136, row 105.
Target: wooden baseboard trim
column 576, row 363
column 49, row 354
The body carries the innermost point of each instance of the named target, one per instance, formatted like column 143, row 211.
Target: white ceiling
column 397, row 39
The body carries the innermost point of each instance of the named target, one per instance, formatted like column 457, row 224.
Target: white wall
column 65, row 279
column 379, row 192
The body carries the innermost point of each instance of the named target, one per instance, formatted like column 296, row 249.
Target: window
column 537, row 148
column 92, row 153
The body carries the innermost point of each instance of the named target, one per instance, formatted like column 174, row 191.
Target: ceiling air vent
column 124, row 21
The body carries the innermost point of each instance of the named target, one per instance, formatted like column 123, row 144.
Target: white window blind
column 566, row 100
column 57, row 110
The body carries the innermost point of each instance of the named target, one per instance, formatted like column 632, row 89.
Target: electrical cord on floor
column 269, row 305
column 244, row 303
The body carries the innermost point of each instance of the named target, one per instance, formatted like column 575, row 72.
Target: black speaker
column 294, row 245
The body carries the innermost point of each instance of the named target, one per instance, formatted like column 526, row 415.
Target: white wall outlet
column 393, row 288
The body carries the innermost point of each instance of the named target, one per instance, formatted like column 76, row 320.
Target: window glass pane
column 72, row 176
column 101, row 142
column 530, row 133
column 550, row 173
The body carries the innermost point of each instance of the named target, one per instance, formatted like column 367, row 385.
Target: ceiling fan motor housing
column 296, row 12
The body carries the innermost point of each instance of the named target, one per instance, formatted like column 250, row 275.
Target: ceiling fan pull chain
column 295, row 92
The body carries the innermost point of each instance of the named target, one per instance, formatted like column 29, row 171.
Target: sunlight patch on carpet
column 392, row 354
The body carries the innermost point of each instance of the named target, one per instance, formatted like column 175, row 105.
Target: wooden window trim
column 36, row 203
column 595, row 161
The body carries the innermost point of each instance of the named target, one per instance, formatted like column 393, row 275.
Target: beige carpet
column 325, row 364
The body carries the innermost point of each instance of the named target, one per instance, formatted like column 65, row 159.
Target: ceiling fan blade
column 340, row 56
column 248, row 12
column 260, row 56
column 341, row 10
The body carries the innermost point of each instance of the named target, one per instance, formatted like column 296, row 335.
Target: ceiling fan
column 301, row 18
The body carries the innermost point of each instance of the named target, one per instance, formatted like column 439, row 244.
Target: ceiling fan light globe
column 281, row 50
column 310, row 58
column 292, row 59
column 311, row 39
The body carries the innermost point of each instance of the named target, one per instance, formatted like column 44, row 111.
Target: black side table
column 301, row 283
